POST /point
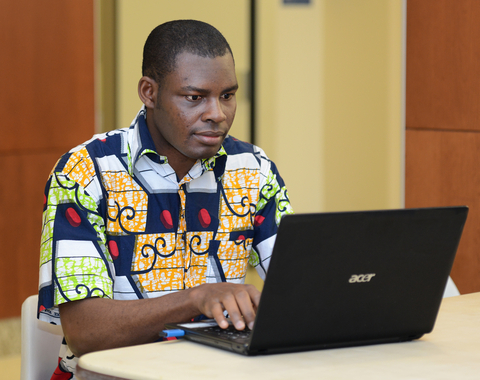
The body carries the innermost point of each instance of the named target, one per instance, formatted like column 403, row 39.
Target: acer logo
column 361, row 277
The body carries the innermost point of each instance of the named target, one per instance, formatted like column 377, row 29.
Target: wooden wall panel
column 46, row 73
column 443, row 60
column 443, row 169
column 21, row 223
column 443, row 118
column 46, row 108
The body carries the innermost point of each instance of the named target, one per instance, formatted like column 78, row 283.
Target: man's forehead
column 193, row 68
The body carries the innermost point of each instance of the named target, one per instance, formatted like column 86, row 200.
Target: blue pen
column 173, row 333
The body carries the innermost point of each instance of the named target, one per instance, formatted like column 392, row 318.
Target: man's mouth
column 210, row 137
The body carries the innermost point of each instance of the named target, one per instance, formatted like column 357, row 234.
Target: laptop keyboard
column 229, row 333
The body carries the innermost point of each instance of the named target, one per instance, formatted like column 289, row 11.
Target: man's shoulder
column 112, row 143
column 115, row 140
column 234, row 146
column 244, row 154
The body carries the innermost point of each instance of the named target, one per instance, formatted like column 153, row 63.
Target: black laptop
column 348, row 279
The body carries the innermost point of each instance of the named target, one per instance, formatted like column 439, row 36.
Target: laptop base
column 243, row 348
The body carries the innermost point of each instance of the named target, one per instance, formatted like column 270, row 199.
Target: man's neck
column 181, row 168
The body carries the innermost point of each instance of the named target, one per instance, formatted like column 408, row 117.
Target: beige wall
column 331, row 101
column 363, row 104
column 291, row 94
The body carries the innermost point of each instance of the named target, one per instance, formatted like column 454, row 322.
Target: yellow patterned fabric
column 118, row 223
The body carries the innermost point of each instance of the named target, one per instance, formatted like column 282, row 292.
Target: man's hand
column 240, row 302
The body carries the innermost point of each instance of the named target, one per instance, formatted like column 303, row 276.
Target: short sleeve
column 74, row 261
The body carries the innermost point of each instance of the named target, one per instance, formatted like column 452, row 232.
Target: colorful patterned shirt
column 118, row 223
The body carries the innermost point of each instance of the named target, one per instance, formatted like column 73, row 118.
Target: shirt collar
column 142, row 144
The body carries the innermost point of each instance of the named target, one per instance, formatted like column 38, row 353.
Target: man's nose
column 214, row 112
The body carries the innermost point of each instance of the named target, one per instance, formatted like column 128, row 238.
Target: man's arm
column 95, row 324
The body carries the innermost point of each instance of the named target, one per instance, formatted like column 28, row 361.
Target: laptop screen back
column 342, row 278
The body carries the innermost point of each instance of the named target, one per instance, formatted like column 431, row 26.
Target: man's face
column 194, row 108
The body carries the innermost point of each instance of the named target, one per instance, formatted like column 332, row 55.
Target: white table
column 451, row 351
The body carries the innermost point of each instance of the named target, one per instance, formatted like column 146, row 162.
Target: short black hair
column 170, row 39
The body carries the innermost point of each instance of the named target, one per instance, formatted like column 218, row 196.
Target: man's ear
column 147, row 91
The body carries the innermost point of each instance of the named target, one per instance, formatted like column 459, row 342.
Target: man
column 172, row 203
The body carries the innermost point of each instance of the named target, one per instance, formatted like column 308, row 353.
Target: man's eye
column 193, row 98
column 227, row 96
